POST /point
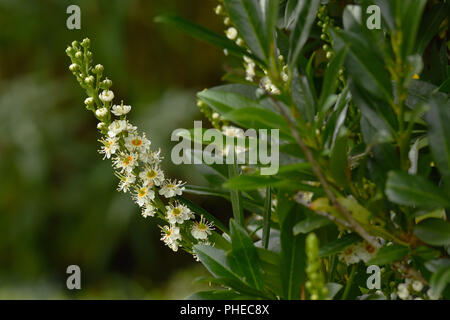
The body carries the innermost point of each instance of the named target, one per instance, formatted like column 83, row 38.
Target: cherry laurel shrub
column 360, row 204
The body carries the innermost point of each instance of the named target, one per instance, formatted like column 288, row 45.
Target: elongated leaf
column 249, row 19
column 204, row 34
column 293, row 257
column 433, row 231
column 331, row 76
column 339, row 161
column 430, row 25
column 388, row 254
column 439, row 280
column 309, row 224
column 215, row 261
column 236, row 196
column 303, row 97
column 243, row 258
column 338, row 245
column 409, row 190
column 305, row 14
column 438, row 119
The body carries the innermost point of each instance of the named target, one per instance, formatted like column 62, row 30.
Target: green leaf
column 364, row 65
column 405, row 189
column 338, row 245
column 305, row 14
column 333, row 289
column 433, row 231
column 204, row 34
column 330, row 81
column 236, row 196
column 246, row 182
column 215, row 261
column 388, row 254
column 439, row 280
column 430, row 25
column 248, row 18
column 303, row 97
column 339, row 161
column 243, row 258
column 293, row 257
column 223, row 101
column 438, row 119
column 312, row 222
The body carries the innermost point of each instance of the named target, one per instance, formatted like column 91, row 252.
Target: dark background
column 58, row 203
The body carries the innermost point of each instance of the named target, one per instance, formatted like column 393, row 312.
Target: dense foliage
column 364, row 174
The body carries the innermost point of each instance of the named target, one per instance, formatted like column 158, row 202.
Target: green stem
column 267, row 212
column 349, row 282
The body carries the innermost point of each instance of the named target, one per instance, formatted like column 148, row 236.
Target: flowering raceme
column 137, row 166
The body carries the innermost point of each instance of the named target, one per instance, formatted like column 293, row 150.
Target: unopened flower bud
column 98, row 68
column 101, row 126
column 218, row 10
column 231, row 33
column 100, row 113
column 73, row 67
column 89, row 101
column 75, row 44
column 226, row 21
column 86, row 42
column 106, row 84
column 78, row 55
column 89, row 80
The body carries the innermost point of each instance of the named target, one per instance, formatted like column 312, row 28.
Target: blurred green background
column 58, row 203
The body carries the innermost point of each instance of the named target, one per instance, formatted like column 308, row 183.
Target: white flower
column 143, row 196
column 148, row 211
column 106, row 95
column 126, row 162
column 101, row 125
column 152, row 175
column 89, row 101
column 267, row 84
column 120, row 110
column 100, row 113
column 178, row 213
column 134, row 142
column 402, row 291
column 171, row 188
column 126, row 181
column 432, row 295
column 357, row 252
column 231, row 131
column 118, row 126
column 231, row 33
column 349, row 255
column 201, row 230
column 110, row 146
column 171, row 236
column 417, row 286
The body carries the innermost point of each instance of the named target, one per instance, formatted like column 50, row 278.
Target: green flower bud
column 78, row 55
column 329, row 54
column 106, row 84
column 73, row 67
column 89, row 80
column 86, row 43
column 75, row 44
column 98, row 68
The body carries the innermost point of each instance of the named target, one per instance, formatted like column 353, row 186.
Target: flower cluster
column 135, row 163
column 413, row 290
column 357, row 252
